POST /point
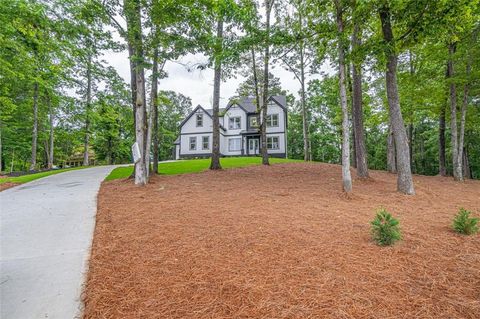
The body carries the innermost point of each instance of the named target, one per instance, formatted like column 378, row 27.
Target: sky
column 198, row 85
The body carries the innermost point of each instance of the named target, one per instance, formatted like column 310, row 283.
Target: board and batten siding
column 185, row 144
column 232, row 112
column 273, row 108
column 190, row 129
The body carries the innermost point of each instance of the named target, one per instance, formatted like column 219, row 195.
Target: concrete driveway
column 46, row 234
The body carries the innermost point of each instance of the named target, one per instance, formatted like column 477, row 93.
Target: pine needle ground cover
column 281, row 242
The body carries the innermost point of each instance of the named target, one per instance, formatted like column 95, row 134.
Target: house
column 239, row 132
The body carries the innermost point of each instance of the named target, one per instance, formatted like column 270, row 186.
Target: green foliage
column 464, row 224
column 31, row 177
column 172, row 109
column 58, row 44
column 385, row 228
column 247, row 88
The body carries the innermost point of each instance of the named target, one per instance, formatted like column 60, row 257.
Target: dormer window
column 199, row 119
column 234, row 123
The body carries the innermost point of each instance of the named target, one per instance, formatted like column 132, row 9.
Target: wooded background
column 405, row 98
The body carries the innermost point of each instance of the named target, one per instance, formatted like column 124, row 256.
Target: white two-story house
column 239, row 132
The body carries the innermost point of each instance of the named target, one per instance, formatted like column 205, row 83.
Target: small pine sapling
column 385, row 228
column 464, row 224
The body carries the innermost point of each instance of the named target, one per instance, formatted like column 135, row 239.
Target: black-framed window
column 272, row 120
column 192, row 143
column 199, row 119
column 205, row 142
column 253, row 121
column 234, row 123
column 273, row 143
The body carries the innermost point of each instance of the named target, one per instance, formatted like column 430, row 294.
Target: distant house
column 77, row 158
column 239, row 133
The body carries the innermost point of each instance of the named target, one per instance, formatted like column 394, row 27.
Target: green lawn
column 196, row 165
column 30, row 177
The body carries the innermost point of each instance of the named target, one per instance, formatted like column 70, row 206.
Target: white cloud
column 198, row 84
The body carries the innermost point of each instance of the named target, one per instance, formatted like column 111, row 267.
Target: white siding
column 235, row 111
column 185, row 144
column 177, row 151
column 273, row 108
column 281, row 143
column 225, row 142
column 191, row 125
column 190, row 129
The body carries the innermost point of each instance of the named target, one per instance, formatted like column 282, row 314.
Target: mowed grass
column 31, row 177
column 196, row 165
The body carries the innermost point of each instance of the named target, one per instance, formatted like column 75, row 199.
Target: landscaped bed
column 281, row 242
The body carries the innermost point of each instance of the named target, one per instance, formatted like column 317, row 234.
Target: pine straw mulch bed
column 281, row 242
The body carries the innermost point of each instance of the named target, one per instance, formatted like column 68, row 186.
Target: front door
column 253, row 144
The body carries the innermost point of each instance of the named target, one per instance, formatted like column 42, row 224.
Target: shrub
column 385, row 228
column 464, row 224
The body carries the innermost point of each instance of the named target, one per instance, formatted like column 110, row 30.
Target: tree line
column 402, row 96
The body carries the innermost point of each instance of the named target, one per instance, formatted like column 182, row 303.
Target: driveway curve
column 45, row 235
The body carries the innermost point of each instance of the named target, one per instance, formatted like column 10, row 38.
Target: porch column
column 243, row 146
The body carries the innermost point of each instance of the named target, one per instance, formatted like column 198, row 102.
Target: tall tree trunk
column 33, row 161
column 463, row 116
column 353, row 155
column 215, row 162
column 410, row 134
column 357, row 108
column 263, row 127
column 441, row 143
column 391, row 156
column 133, row 89
column 467, row 171
column 353, row 158
column 411, row 115
column 306, row 152
column 255, row 80
column 87, row 112
column 154, row 110
column 346, row 176
column 457, row 167
column 132, row 9
column 404, row 178
column 51, row 118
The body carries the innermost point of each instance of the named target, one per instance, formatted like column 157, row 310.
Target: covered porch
column 250, row 142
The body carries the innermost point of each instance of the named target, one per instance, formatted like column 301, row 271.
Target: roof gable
column 209, row 112
column 195, row 110
column 280, row 100
column 249, row 106
column 233, row 103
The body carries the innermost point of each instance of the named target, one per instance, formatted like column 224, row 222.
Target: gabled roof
column 209, row 112
column 245, row 103
column 281, row 100
column 220, row 112
column 249, row 106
